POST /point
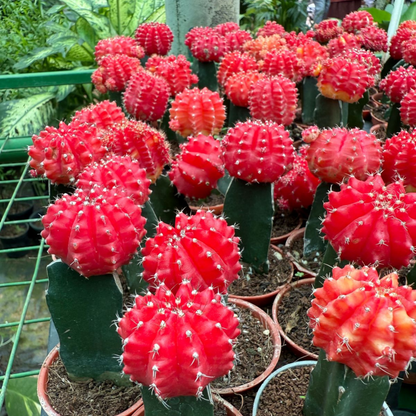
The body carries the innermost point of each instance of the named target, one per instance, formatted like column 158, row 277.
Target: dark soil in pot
column 15, row 236
column 255, row 284
column 293, row 319
column 88, row 398
column 284, row 222
column 312, row 263
column 380, row 132
column 215, row 198
column 380, row 112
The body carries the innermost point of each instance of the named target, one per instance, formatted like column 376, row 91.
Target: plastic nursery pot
column 20, row 211
column 375, row 120
column 268, row 324
column 15, row 236
column 297, row 349
column 267, row 298
column 35, row 228
column 43, row 383
column 386, row 410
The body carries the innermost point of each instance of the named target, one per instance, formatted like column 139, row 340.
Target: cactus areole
column 177, row 345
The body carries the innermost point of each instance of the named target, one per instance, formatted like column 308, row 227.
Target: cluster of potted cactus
column 125, row 217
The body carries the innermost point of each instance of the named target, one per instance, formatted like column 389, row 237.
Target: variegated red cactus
column 408, row 108
column 119, row 45
column 177, row 345
column 327, row 30
column 365, row 322
column 356, row 21
column 234, row 62
column 238, row 86
column 398, row 83
column 209, row 48
column 343, row 43
column 283, row 62
column 259, row 47
column 312, row 54
column 154, row 38
column 374, row 38
column 271, row 28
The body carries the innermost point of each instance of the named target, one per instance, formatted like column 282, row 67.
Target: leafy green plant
column 383, row 17
column 21, row 397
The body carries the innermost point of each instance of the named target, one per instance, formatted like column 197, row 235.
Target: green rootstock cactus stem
column 178, row 406
column 250, row 207
column 237, row 114
column 207, row 74
column 334, row 390
column 328, row 112
column 83, row 311
column 309, row 93
column 394, row 124
column 117, row 97
column 172, row 136
column 411, row 276
column 355, row 112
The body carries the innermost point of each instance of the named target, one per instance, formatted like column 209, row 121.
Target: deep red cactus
column 312, row 54
column 403, row 34
column 236, row 40
column 209, row 48
column 201, row 249
column 327, row 30
column 408, row 108
column 103, row 115
column 398, row 83
column 283, row 62
column 119, row 45
column 142, row 142
column 345, row 80
column 146, row 96
column 374, row 38
column 296, row 188
column 197, row 111
column 259, row 47
column 117, row 172
column 238, row 86
column 177, row 345
column 176, row 70
column 234, row 62
column 61, row 154
column 94, row 232
column 154, row 38
column 356, row 21
column 366, row 58
column 274, row 99
column 227, row 27
column 257, row 152
column 197, row 169
column 343, row 42
column 338, row 153
column 271, row 28
column 114, row 72
column 399, row 160
column 409, row 51
column 365, row 322
column 371, row 223
column 196, row 33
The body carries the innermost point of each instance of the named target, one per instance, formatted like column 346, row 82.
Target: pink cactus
column 238, row 86
column 374, row 38
column 197, row 111
column 408, row 108
column 234, row 62
column 356, row 21
column 338, row 153
column 146, row 97
column 227, row 27
column 343, row 43
column 209, row 48
column 94, row 232
column 257, row 152
column 117, row 172
column 154, row 38
column 177, row 345
column 114, row 72
column 270, row 29
column 119, row 45
column 283, row 62
column 197, row 169
column 236, row 40
column 201, row 249
column 371, row 223
column 327, row 30
column 274, row 99
column 365, row 322
column 398, row 83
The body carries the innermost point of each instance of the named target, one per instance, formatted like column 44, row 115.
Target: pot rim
column 282, row 238
column 216, row 209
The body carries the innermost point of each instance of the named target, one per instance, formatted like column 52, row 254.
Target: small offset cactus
column 114, row 72
column 365, row 322
column 271, row 28
column 94, row 232
column 371, row 223
column 335, row 154
column 374, row 39
column 209, row 48
column 201, row 249
column 234, row 62
column 119, row 45
column 154, row 38
column 327, row 30
column 117, row 172
column 197, row 111
column 257, row 151
column 198, row 167
column 273, row 99
column 408, row 108
column 356, row 21
column 398, row 83
column 177, row 345
column 146, row 96
column 238, row 86
column 142, row 142
column 283, row 62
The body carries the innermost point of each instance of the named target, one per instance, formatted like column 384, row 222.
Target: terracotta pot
column 267, row 298
column 216, row 209
column 375, row 120
column 267, row 323
column 43, row 383
column 376, row 127
column 367, row 112
column 297, row 349
column 296, row 235
column 282, row 238
column 376, row 98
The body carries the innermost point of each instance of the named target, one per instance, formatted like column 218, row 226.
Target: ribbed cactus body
column 273, row 99
column 209, row 48
column 117, row 172
column 403, row 34
column 196, row 33
column 197, row 111
column 119, row 45
column 398, row 83
column 365, row 322
column 370, row 223
column 154, row 38
column 259, row 47
column 114, row 72
column 177, row 345
column 366, row 58
column 257, row 152
column 327, row 30
column 356, row 21
column 283, row 62
column 234, row 62
column 236, row 40
column 408, row 108
column 227, row 27
column 94, row 232
column 312, row 54
column 409, row 51
column 201, row 248
column 146, row 96
column 238, row 86
column 335, row 154
column 344, row 42
column 271, row 28
column 103, row 115
column 198, row 167
column 374, row 39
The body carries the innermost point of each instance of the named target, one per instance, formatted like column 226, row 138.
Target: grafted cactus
column 119, row 45
column 154, row 38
